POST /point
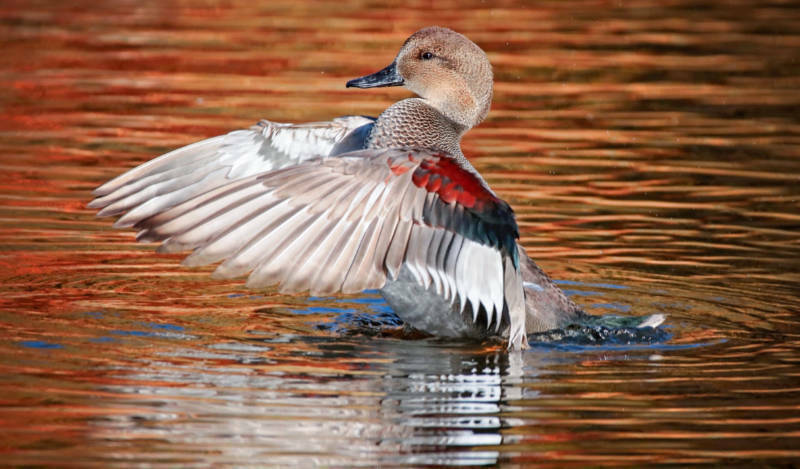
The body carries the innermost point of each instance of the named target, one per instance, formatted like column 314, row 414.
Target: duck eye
column 426, row 56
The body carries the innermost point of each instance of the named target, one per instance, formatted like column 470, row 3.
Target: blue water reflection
column 40, row 344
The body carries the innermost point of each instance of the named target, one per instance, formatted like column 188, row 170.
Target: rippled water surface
column 651, row 150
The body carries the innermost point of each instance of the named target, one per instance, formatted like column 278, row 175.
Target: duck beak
column 386, row 77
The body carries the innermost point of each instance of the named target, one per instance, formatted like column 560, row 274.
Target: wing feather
column 330, row 276
column 189, row 215
column 361, row 272
column 431, row 259
column 515, row 301
column 138, row 190
column 439, row 260
column 398, row 247
column 417, row 253
column 281, row 250
column 175, row 159
column 214, row 245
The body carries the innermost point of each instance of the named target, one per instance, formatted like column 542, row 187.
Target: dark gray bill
column 386, row 77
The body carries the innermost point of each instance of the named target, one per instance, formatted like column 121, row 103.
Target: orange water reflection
column 650, row 150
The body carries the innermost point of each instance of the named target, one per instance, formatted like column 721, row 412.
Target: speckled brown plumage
column 413, row 123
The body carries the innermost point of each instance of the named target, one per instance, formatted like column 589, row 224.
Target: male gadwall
column 358, row 203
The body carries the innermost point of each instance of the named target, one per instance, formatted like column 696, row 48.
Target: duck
column 358, row 203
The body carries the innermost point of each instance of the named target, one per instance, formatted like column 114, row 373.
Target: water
column 650, row 149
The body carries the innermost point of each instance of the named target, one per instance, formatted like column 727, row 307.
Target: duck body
column 358, row 203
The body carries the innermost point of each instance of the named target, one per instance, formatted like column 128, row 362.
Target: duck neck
column 416, row 124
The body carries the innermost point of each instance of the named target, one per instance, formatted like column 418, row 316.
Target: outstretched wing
column 189, row 171
column 349, row 222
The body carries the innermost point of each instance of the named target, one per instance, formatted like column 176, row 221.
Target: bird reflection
column 428, row 404
column 452, row 408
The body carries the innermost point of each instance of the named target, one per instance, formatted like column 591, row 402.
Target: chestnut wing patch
column 488, row 219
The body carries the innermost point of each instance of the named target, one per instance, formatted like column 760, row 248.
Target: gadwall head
column 444, row 68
